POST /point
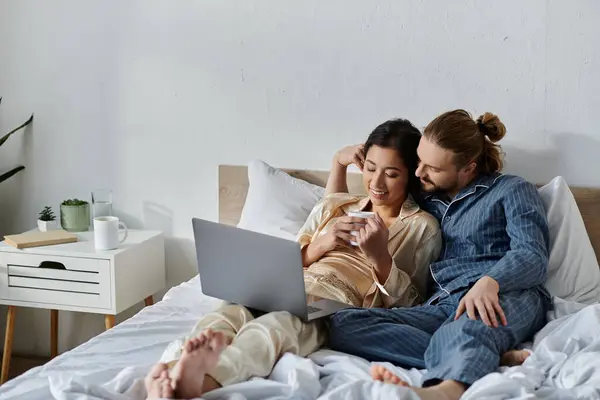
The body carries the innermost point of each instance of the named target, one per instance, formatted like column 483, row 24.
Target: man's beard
column 435, row 188
column 431, row 187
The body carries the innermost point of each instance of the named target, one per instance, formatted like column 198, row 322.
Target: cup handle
column 122, row 224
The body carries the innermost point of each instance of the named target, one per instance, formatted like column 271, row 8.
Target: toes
column 221, row 339
column 202, row 339
column 387, row 375
column 195, row 343
column 377, row 372
column 157, row 370
column 192, row 344
column 166, row 390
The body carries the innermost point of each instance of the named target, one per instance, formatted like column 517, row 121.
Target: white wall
column 148, row 97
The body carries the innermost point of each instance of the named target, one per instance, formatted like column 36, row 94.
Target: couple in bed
column 446, row 221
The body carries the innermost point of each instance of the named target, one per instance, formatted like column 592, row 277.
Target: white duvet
column 565, row 363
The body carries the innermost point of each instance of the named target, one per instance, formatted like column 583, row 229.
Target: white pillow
column 573, row 272
column 277, row 204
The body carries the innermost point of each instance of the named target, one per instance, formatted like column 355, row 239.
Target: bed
column 565, row 363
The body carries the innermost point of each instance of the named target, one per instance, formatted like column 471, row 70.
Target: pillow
column 277, row 204
column 573, row 272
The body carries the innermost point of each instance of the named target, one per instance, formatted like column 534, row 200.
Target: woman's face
column 385, row 177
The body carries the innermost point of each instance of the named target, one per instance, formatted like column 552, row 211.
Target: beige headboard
column 233, row 186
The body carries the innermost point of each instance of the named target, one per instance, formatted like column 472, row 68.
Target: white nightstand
column 76, row 277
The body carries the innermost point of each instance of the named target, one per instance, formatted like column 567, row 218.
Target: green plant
column 13, row 171
column 47, row 214
column 74, row 202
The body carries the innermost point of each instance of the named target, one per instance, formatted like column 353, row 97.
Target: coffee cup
column 359, row 214
column 106, row 233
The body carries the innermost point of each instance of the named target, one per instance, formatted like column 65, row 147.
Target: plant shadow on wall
column 6, row 175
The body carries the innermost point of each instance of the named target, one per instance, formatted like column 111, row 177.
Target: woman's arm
column 336, row 183
column 406, row 282
column 311, row 254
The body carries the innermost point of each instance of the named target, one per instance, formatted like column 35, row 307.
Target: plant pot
column 45, row 226
column 75, row 218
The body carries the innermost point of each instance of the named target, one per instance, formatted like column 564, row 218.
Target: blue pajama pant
column 428, row 337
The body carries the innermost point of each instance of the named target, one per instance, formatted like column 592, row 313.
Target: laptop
column 258, row 271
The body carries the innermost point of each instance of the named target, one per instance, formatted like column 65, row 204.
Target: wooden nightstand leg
column 10, row 327
column 149, row 301
column 53, row 333
column 109, row 321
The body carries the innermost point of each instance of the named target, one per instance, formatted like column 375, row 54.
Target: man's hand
column 483, row 299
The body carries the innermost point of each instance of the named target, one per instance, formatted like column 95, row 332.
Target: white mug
column 106, row 233
column 359, row 214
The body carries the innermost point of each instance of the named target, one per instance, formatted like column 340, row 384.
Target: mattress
column 565, row 363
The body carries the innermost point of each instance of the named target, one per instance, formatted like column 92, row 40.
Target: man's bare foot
column 158, row 383
column 380, row 373
column 200, row 355
column 514, row 357
column 447, row 390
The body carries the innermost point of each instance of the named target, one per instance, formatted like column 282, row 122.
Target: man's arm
column 526, row 263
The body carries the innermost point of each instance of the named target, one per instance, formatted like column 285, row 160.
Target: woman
column 380, row 261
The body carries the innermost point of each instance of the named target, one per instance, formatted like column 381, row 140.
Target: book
column 37, row 238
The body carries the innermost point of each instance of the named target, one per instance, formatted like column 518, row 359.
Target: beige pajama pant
column 256, row 343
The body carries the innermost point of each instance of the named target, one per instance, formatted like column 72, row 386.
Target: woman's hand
column 339, row 234
column 373, row 240
column 351, row 155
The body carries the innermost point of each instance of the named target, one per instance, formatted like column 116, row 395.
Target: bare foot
column 514, row 357
column 200, row 354
column 380, row 373
column 158, row 383
column 447, row 390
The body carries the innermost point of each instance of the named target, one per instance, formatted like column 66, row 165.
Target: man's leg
column 399, row 335
column 466, row 350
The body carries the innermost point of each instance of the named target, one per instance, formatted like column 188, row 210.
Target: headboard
column 233, row 187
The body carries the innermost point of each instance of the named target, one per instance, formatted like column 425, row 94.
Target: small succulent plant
column 47, row 214
column 74, row 202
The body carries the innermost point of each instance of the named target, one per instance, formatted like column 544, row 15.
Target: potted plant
column 75, row 215
column 47, row 220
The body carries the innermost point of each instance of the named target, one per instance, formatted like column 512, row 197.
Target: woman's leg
column 227, row 320
column 261, row 342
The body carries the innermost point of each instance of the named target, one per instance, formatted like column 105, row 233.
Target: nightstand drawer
column 57, row 280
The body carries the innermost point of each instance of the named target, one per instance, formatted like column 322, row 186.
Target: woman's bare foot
column 514, row 357
column 447, row 390
column 158, row 383
column 200, row 355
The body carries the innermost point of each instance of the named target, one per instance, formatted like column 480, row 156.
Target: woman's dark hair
column 402, row 136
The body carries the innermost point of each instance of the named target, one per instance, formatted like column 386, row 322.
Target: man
column 489, row 294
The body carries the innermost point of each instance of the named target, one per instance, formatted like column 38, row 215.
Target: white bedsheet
column 565, row 363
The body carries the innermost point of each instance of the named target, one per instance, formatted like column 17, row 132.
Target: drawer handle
column 52, row 265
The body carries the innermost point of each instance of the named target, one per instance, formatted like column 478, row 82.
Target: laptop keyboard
column 311, row 309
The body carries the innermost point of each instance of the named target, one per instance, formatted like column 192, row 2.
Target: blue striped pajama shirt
column 495, row 227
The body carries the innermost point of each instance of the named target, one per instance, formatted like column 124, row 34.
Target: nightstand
column 76, row 277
